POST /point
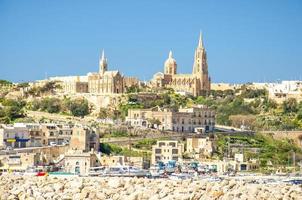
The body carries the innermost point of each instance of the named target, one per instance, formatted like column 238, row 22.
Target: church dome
column 170, row 61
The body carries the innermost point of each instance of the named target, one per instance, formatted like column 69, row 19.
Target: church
column 196, row 84
column 105, row 82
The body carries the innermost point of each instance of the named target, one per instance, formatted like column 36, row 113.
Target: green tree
column 51, row 105
column 23, row 85
column 35, row 105
column 5, row 82
column 78, row 107
column 133, row 89
column 4, row 119
column 253, row 93
column 290, row 105
column 13, row 109
column 50, row 87
column 268, row 104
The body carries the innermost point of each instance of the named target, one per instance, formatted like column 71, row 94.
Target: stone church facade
column 105, row 82
column 196, row 84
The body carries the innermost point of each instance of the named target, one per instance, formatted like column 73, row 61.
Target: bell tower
column 200, row 67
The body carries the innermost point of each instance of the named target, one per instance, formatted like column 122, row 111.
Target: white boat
column 125, row 171
column 180, row 176
column 96, row 171
column 155, row 171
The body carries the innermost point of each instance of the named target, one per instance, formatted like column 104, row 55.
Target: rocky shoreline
column 114, row 188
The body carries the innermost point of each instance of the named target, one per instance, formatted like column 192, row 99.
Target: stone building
column 203, row 146
column 79, row 162
column 22, row 135
column 84, row 139
column 130, row 81
column 57, row 134
column 197, row 83
column 72, row 84
column 105, row 82
column 167, row 150
column 183, row 120
column 82, row 153
column 19, row 161
column 102, row 82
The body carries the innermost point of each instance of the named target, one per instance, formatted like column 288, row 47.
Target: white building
column 284, row 90
column 79, row 162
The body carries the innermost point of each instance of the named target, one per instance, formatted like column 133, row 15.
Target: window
column 173, row 144
column 175, row 158
column 157, row 151
column 161, row 144
column 174, row 151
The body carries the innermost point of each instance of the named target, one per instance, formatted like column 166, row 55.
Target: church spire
column 103, row 55
column 200, row 42
column 103, row 63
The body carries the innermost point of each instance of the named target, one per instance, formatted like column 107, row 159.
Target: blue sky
column 246, row 41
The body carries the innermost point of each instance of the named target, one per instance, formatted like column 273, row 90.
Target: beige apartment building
column 167, row 150
column 183, row 120
column 197, row 83
column 15, row 136
column 22, row 135
column 200, row 146
column 53, row 133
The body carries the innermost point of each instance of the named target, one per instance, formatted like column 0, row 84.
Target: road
column 125, row 140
